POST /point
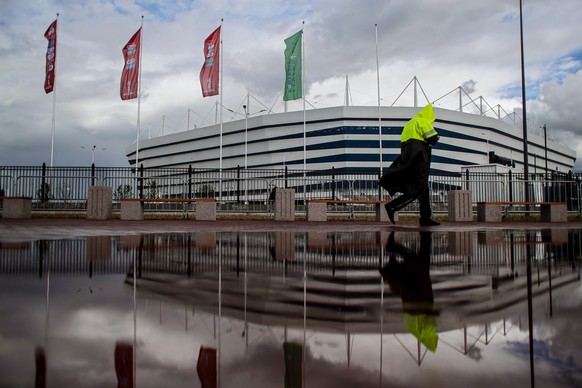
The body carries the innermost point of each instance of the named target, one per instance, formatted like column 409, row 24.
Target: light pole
column 92, row 152
column 246, row 133
column 546, row 149
column 486, row 134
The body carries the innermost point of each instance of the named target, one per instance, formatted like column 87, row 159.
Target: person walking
column 409, row 172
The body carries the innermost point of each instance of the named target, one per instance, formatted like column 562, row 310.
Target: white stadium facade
column 347, row 138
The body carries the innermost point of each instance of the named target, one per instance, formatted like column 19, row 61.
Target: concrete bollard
column 316, row 211
column 284, row 204
column 131, row 210
column 17, row 207
column 206, row 211
column 460, row 205
column 554, row 213
column 99, row 203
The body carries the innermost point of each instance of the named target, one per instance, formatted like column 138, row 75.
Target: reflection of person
column 410, row 279
column 408, row 174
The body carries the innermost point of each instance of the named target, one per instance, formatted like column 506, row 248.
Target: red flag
column 128, row 88
column 209, row 73
column 51, row 57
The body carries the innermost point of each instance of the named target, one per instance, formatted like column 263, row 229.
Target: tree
column 152, row 190
column 123, row 191
column 205, row 191
column 44, row 193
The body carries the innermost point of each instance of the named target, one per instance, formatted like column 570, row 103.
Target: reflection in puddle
column 293, row 309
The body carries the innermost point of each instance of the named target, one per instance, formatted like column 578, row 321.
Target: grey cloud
column 444, row 43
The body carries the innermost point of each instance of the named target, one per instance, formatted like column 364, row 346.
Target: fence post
column 141, row 180
column 333, row 182
column 379, row 187
column 467, row 179
column 92, row 174
column 189, row 181
column 510, row 188
column 238, row 183
column 286, row 175
column 43, row 184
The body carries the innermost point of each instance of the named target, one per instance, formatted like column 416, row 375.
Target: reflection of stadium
column 476, row 276
column 337, row 287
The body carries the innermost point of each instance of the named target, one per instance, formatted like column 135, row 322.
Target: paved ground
column 36, row 228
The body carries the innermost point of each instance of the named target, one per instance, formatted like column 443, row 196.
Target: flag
column 293, row 87
column 51, row 57
column 209, row 75
column 128, row 88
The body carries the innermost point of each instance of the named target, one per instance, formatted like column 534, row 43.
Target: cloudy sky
column 445, row 44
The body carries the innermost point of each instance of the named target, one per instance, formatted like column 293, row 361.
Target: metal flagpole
column 138, row 100
column 379, row 110
column 303, row 93
column 54, row 95
column 220, row 70
column 220, row 92
column 523, row 101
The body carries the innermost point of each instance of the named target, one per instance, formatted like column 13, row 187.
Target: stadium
column 347, row 138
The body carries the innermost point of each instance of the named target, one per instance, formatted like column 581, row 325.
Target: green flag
column 293, row 87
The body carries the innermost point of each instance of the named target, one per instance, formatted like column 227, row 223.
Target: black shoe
column 390, row 212
column 428, row 222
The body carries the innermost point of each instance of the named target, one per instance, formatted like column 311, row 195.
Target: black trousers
column 405, row 199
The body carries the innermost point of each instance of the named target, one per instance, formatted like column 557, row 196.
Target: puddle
column 293, row 309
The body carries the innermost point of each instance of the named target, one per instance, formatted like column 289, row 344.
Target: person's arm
column 433, row 140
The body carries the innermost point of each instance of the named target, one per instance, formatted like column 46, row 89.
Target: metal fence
column 242, row 190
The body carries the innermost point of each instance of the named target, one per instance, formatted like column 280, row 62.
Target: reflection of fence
column 248, row 190
column 501, row 254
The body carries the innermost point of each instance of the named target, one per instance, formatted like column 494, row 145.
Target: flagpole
column 379, row 109
column 303, row 92
column 524, row 106
column 220, row 92
column 53, row 122
column 220, row 70
column 138, row 108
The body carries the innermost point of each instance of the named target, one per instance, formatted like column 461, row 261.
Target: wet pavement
column 289, row 304
column 63, row 228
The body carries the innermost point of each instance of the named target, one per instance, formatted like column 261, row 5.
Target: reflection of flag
column 128, row 88
column 40, row 361
column 206, row 367
column 293, row 364
column 51, row 57
column 209, row 75
column 293, row 87
column 124, row 364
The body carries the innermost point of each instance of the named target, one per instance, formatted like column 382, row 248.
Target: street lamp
column 486, row 134
column 246, row 134
column 546, row 148
column 92, row 153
